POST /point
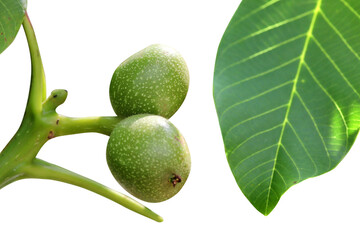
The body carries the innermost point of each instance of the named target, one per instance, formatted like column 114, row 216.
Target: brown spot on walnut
column 51, row 135
column 175, row 180
column 57, row 122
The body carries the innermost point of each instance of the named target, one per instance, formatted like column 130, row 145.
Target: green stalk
column 37, row 92
column 103, row 125
column 44, row 170
column 21, row 149
column 32, row 135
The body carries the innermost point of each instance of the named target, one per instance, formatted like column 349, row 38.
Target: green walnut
column 148, row 157
column 154, row 80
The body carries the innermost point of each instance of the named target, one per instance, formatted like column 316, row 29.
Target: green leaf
column 287, row 92
column 11, row 16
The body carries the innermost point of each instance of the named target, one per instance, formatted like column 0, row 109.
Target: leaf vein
column 254, row 117
column 260, row 74
column 331, row 99
column 293, row 161
column 316, row 127
column 258, row 185
column 351, row 8
column 256, row 96
column 261, row 52
column 253, row 169
column 335, row 66
column 253, row 136
column 340, row 35
column 304, row 147
column 281, row 176
column 253, row 154
column 261, row 193
column 268, row 28
column 259, row 9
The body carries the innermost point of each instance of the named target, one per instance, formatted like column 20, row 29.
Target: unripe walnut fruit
column 148, row 157
column 154, row 80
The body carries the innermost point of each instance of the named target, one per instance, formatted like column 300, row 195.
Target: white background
column 82, row 43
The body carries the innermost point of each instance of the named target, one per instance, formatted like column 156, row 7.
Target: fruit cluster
column 146, row 153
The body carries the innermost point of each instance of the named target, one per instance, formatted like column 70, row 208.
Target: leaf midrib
column 301, row 62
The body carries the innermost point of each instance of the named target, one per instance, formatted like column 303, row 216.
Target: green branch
column 37, row 93
column 69, row 125
column 44, row 170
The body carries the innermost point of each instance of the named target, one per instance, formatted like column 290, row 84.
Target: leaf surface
column 11, row 16
column 287, row 92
